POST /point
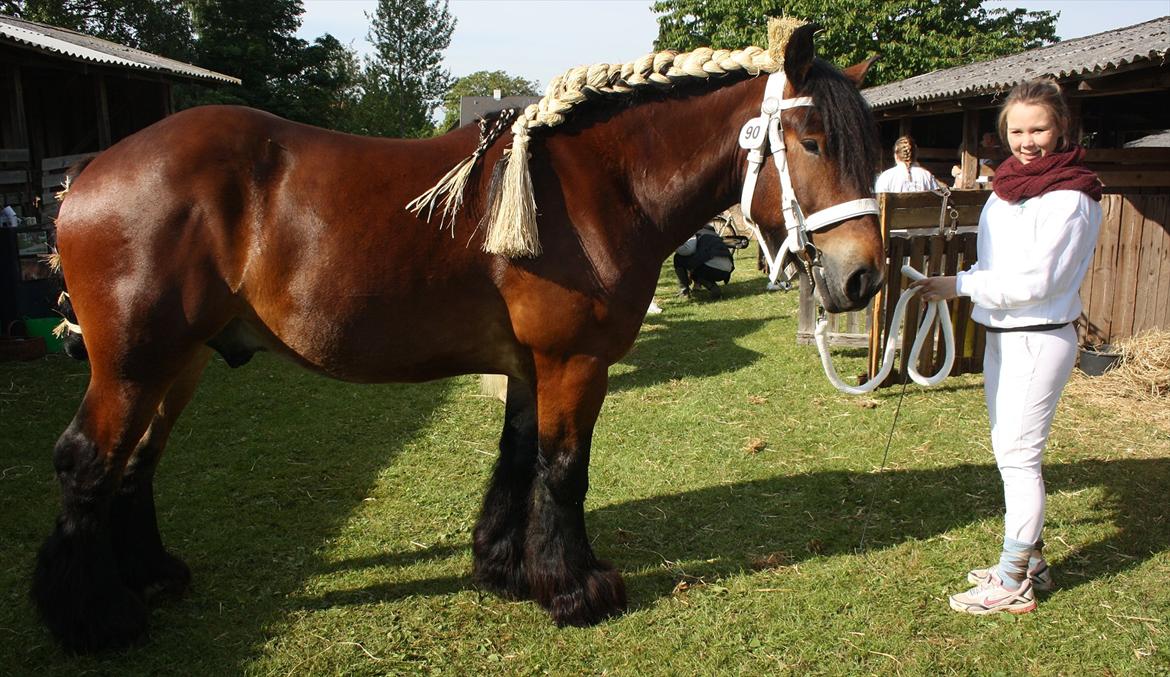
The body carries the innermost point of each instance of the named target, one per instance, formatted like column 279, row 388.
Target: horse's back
column 250, row 229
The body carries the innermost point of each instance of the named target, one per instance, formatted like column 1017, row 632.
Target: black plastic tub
column 1096, row 360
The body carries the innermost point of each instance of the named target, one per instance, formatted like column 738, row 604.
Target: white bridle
column 767, row 130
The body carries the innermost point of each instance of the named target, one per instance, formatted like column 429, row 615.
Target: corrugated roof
column 1092, row 54
column 88, row 48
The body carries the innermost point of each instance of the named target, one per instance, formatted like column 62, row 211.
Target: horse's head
column 831, row 149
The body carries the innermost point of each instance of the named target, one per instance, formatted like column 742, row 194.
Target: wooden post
column 1075, row 121
column 103, row 112
column 969, row 162
column 19, row 123
column 904, row 126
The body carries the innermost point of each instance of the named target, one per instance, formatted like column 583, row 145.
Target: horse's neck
column 686, row 164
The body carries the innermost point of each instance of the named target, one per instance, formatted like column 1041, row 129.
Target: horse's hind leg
column 143, row 563
column 563, row 574
column 500, row 532
column 77, row 585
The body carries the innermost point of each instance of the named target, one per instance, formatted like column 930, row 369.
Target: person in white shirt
column 1037, row 234
column 905, row 176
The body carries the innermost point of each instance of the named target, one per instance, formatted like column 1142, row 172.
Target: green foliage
column 328, row 86
column 912, row 36
column 158, row 26
column 404, row 82
column 255, row 41
column 481, row 83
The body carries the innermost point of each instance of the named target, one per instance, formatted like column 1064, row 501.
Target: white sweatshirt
column 899, row 179
column 1032, row 257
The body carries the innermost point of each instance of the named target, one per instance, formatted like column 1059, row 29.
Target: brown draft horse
column 231, row 230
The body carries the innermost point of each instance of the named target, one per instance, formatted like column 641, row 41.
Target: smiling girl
column 1036, row 239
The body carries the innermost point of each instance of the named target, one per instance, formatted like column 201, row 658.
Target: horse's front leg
column 563, row 574
column 503, row 523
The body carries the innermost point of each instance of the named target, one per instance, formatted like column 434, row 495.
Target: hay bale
column 1138, row 388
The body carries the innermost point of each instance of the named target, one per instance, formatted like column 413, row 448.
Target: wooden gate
column 910, row 228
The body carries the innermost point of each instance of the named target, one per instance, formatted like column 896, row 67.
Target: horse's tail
column 68, row 330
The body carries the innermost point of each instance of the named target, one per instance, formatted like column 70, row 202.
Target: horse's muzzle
column 846, row 288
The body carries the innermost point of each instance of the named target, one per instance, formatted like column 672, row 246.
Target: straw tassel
column 448, row 192
column 511, row 217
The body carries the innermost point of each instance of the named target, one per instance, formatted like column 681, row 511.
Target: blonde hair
column 1043, row 92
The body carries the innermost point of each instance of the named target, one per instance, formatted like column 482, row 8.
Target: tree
column 481, row 83
column 254, row 40
column 327, row 85
column 405, row 82
column 912, row 36
column 157, row 26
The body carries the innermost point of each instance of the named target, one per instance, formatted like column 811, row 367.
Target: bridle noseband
column 767, row 130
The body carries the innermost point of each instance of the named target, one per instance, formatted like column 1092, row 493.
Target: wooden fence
column 1126, row 290
column 910, row 228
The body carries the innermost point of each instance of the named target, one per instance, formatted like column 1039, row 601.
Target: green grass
column 328, row 525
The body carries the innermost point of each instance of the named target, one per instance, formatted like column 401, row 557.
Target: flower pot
column 1096, row 360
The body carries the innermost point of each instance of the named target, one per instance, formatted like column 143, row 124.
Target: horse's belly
column 398, row 342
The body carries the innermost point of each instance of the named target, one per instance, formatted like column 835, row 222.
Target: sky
column 540, row 39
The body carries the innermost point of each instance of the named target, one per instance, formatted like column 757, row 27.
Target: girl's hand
column 936, row 288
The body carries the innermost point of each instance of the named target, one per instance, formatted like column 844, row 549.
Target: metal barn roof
column 41, row 37
column 1091, row 55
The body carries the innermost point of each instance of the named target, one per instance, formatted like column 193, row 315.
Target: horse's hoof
column 169, row 579
column 82, row 600
column 601, row 594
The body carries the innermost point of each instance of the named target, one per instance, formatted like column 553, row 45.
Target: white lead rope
column 936, row 311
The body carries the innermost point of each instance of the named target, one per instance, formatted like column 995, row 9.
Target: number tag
column 754, row 133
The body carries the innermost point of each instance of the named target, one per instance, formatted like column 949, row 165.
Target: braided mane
column 511, row 215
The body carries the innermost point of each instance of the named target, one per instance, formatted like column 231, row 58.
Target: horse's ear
column 857, row 71
column 799, row 53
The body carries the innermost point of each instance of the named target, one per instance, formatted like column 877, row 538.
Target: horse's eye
column 811, row 146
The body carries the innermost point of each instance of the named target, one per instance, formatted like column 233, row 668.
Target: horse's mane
column 511, row 214
column 850, row 129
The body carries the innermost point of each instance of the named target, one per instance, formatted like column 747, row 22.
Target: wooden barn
column 1118, row 87
column 66, row 96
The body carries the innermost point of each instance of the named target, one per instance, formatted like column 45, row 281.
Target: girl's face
column 1031, row 131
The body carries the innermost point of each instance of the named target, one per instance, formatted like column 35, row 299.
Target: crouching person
column 703, row 260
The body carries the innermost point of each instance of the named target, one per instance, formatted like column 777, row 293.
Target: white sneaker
column 992, row 597
column 654, row 308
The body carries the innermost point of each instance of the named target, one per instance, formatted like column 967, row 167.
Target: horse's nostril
column 862, row 284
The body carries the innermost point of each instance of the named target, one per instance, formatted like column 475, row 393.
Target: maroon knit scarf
column 1015, row 181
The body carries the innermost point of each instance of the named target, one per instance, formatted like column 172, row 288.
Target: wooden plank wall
column 1127, row 287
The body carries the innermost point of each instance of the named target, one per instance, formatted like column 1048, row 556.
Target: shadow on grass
column 678, row 349
column 253, row 484
column 793, row 518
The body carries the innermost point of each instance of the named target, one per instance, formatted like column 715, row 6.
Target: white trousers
column 1024, row 374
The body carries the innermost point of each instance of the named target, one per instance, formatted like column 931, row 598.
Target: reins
column 936, row 311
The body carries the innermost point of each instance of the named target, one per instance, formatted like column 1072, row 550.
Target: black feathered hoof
column 501, row 570
column 168, row 578
column 598, row 594
column 81, row 598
